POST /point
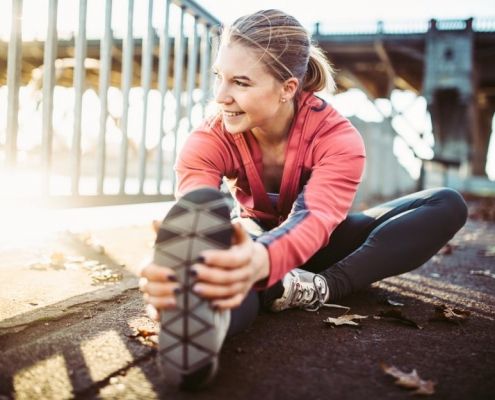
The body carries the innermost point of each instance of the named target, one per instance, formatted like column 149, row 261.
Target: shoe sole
column 188, row 343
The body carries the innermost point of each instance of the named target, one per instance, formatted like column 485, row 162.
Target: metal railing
column 182, row 34
column 404, row 27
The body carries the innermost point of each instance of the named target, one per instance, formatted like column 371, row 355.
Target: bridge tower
column 460, row 116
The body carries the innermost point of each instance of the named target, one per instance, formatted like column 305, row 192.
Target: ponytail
column 319, row 75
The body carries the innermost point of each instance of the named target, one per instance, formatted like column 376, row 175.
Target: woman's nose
column 221, row 94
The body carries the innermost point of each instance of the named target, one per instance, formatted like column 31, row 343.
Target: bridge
column 447, row 62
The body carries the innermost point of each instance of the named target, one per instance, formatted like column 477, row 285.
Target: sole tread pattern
column 199, row 221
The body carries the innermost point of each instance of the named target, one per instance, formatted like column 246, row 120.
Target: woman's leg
column 389, row 239
column 243, row 316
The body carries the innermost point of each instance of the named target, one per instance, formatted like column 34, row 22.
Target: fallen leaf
column 396, row 315
column 347, row 319
column 148, row 337
column 485, row 272
column 449, row 314
column 447, row 249
column 410, row 380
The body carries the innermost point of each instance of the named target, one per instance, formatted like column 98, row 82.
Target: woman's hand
column 226, row 276
column 159, row 285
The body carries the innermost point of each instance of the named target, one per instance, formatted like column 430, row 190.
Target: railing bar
column 191, row 70
column 146, row 65
column 205, row 67
column 13, row 82
column 126, row 87
column 79, row 78
column 105, row 66
column 162, row 85
column 48, row 87
column 211, row 57
column 196, row 10
column 178, row 67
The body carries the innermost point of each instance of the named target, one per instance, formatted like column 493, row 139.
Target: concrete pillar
column 449, row 87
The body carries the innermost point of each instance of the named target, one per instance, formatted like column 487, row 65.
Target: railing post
column 191, row 70
column 162, row 85
column 205, row 65
column 13, row 82
column 79, row 79
column 48, row 86
column 146, row 65
column 128, row 55
column 105, row 66
column 178, row 70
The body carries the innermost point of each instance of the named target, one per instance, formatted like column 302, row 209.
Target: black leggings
column 389, row 239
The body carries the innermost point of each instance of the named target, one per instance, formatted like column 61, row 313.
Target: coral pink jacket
column 323, row 166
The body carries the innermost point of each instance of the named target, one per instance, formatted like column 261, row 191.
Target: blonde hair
column 284, row 47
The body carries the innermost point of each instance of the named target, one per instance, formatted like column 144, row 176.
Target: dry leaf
column 485, row 272
column 396, row 315
column 347, row 319
column 449, row 314
column 410, row 380
column 148, row 337
column 447, row 249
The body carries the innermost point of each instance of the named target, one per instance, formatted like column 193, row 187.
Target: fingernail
column 196, row 289
column 200, row 259
column 214, row 307
column 193, row 272
column 177, row 290
column 172, row 278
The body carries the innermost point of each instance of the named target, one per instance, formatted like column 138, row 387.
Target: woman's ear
column 290, row 88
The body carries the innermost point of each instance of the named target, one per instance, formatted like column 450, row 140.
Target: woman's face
column 249, row 97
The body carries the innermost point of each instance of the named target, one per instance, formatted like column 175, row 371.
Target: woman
column 293, row 165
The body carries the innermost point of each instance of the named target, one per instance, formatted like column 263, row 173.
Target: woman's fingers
column 229, row 303
column 158, row 288
column 152, row 312
column 210, row 291
column 154, row 272
column 159, row 302
column 237, row 255
column 208, row 274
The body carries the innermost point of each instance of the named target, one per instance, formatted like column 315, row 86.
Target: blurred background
column 97, row 97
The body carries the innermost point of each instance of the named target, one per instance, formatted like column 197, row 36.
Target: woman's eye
column 240, row 83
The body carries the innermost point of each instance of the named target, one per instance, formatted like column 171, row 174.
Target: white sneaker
column 192, row 334
column 302, row 289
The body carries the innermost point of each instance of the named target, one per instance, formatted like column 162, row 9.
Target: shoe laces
column 305, row 291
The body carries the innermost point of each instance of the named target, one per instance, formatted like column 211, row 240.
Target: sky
column 331, row 12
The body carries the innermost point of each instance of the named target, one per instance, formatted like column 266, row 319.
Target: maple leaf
column 346, row 319
column 410, row 380
column 447, row 313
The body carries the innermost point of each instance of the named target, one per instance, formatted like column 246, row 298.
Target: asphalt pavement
column 72, row 325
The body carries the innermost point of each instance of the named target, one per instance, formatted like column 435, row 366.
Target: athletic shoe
column 191, row 335
column 302, row 289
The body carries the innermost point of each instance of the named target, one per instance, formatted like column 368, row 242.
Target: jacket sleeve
column 322, row 204
column 202, row 162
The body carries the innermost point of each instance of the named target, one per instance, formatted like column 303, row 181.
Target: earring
column 283, row 99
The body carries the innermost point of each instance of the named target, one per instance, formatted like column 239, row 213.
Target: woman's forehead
column 236, row 59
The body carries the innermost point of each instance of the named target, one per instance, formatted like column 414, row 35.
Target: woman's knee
column 453, row 202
